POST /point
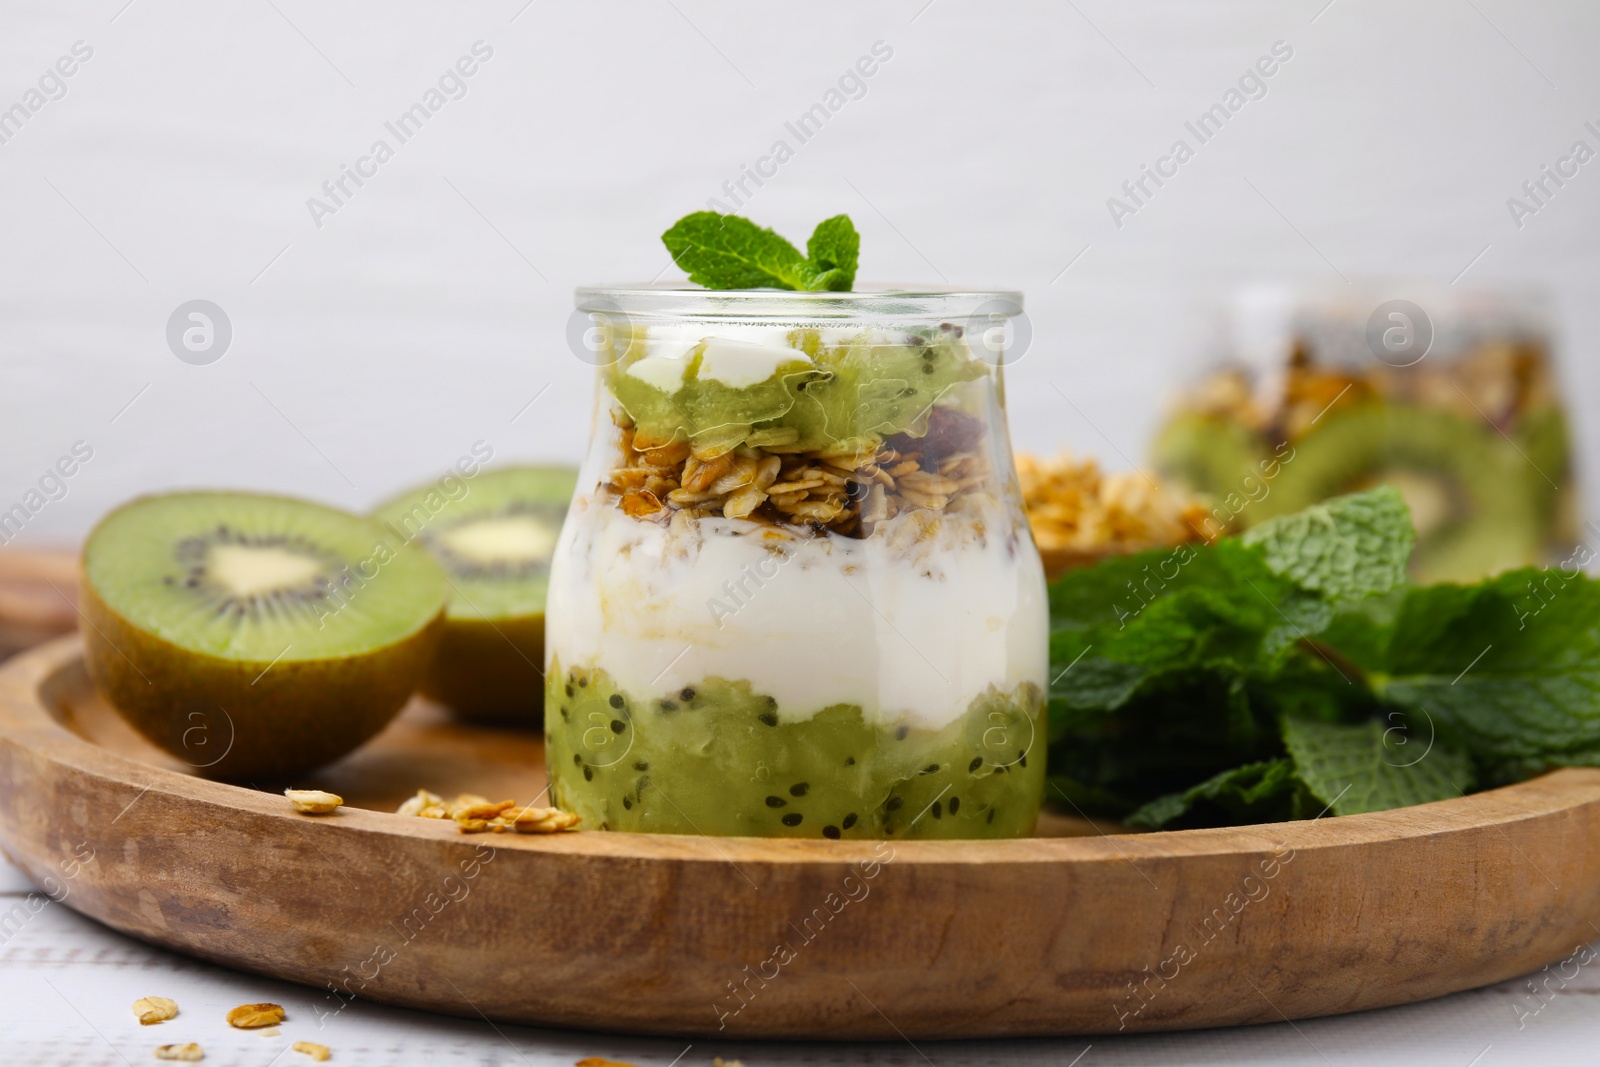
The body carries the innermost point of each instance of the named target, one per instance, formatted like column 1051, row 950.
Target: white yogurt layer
column 910, row 634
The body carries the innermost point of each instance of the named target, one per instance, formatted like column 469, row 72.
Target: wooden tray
column 677, row 935
column 38, row 597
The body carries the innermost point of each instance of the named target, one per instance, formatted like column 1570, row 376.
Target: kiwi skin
column 237, row 720
column 488, row 671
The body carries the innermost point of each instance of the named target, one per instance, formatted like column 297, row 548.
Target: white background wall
column 431, row 308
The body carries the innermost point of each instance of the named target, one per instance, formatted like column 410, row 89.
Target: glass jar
column 795, row 594
column 1448, row 394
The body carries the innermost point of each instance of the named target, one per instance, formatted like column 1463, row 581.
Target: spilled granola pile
column 474, row 814
column 1073, row 507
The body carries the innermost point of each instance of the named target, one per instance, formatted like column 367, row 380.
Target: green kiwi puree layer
column 717, row 758
column 843, row 396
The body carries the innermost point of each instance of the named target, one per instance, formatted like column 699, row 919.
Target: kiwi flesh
column 719, row 758
column 255, row 637
column 1208, row 454
column 494, row 541
column 1474, row 499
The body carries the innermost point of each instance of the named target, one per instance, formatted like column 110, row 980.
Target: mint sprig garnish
column 1292, row 670
column 731, row 252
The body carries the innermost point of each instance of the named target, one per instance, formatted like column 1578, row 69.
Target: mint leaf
column 1372, row 766
column 731, row 252
column 1508, row 669
column 833, row 250
column 1345, row 549
column 1257, row 792
column 1141, row 618
column 1171, row 666
column 1361, row 630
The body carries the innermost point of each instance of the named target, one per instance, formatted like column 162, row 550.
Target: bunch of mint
column 731, row 252
column 1293, row 671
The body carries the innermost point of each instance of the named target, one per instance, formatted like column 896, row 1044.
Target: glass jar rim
column 785, row 305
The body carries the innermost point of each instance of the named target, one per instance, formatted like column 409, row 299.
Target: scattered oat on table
column 312, row 1049
column 189, row 1053
column 313, row 801
column 152, row 1010
column 474, row 814
column 255, row 1016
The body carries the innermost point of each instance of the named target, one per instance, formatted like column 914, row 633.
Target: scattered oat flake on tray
column 152, row 1010
column 312, row 1049
column 189, row 1053
column 474, row 814
column 313, row 801
column 255, row 1016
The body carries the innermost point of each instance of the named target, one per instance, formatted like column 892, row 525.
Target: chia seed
column 955, row 805
column 901, row 732
column 977, row 761
column 938, row 810
column 768, row 718
column 893, row 803
column 617, row 726
column 616, row 700
column 792, row 819
column 831, row 833
column 588, row 774
column 687, row 694
column 777, row 802
column 849, row 820
column 799, row 789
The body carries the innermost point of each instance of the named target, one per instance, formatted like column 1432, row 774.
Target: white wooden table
column 66, row 985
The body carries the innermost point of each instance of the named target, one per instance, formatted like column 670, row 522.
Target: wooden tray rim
column 27, row 720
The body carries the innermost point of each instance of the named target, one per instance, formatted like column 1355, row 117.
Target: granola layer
column 848, row 493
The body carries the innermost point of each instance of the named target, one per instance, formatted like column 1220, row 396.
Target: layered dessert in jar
column 1450, row 395
column 795, row 594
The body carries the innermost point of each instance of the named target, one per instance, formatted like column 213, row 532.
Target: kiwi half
column 494, row 540
column 1474, row 499
column 254, row 636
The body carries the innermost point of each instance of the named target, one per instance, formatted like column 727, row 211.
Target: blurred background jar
column 1450, row 395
